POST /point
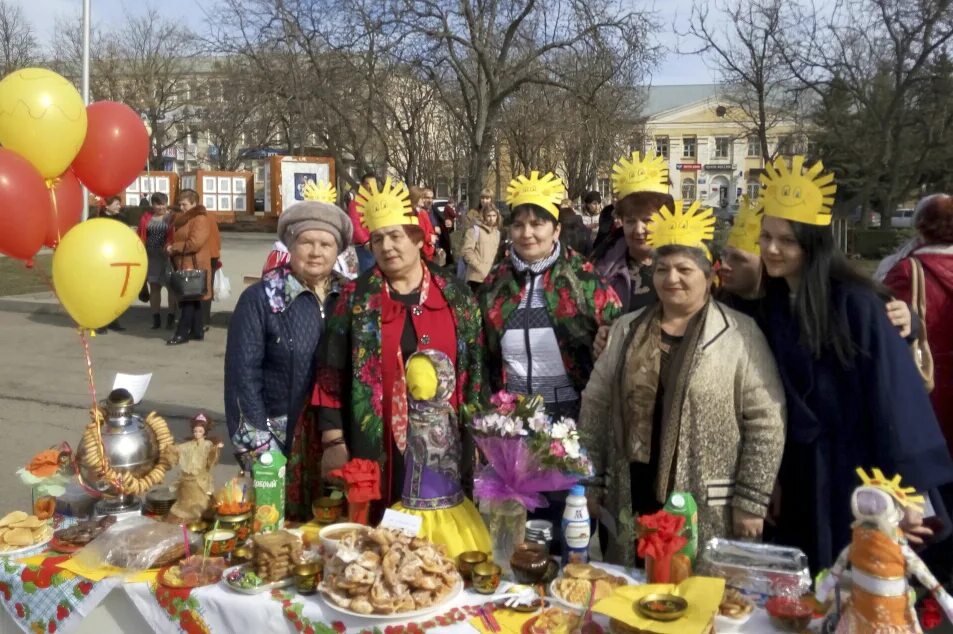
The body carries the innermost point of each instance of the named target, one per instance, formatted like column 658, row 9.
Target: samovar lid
column 119, row 403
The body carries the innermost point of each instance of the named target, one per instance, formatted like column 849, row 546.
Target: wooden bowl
column 221, row 542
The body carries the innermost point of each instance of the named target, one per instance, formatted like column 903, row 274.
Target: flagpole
column 85, row 86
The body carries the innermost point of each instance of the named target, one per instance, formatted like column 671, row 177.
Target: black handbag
column 144, row 294
column 189, row 284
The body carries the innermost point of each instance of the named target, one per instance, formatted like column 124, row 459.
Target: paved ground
column 44, row 396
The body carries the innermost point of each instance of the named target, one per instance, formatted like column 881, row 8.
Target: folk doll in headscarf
column 432, row 486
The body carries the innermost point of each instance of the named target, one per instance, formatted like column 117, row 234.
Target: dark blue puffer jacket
column 270, row 357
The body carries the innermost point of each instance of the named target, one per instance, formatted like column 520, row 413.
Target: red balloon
column 115, row 148
column 24, row 206
column 68, row 195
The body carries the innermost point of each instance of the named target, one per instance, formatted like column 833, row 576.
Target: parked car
column 902, row 219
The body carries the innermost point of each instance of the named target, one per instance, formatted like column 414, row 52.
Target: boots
column 170, row 322
column 156, row 321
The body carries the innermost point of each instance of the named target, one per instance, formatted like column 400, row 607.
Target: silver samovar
column 130, row 446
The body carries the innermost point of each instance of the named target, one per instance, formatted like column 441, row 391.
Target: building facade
column 712, row 157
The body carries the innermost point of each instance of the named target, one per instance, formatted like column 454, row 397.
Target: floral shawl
column 578, row 299
column 349, row 390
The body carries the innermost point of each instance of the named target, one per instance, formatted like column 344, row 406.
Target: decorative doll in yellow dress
column 881, row 561
column 196, row 457
column 432, row 474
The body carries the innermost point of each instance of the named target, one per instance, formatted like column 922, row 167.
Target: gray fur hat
column 311, row 214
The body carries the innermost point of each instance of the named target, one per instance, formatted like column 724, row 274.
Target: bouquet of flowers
column 527, row 451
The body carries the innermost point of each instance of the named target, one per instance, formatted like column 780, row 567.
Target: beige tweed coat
column 729, row 432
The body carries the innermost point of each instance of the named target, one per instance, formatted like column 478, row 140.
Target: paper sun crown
column 905, row 496
column 689, row 228
column 322, row 191
column 385, row 207
column 798, row 194
column 630, row 175
column 544, row 192
column 747, row 228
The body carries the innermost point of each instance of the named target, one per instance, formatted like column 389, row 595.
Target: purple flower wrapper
column 512, row 472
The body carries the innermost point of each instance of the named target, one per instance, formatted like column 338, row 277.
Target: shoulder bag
column 918, row 302
column 189, row 284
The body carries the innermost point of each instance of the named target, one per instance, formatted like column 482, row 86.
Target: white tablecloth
column 133, row 608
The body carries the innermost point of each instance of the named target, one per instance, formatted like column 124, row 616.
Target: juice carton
column 683, row 503
column 268, row 475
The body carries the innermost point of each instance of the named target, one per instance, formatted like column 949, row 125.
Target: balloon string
column 51, row 185
column 97, row 413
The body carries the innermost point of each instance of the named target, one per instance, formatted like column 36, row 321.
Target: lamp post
column 85, row 85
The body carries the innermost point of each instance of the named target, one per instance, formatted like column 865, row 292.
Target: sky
column 672, row 14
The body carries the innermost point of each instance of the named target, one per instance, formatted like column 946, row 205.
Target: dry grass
column 17, row 279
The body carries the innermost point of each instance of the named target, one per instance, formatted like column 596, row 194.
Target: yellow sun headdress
column 798, row 194
column 544, row 192
column 633, row 174
column 689, row 228
column 385, row 207
column 747, row 228
column 321, row 191
column 906, row 496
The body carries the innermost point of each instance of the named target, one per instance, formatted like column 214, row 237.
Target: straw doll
column 881, row 561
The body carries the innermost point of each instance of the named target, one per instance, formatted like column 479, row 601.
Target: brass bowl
column 486, row 577
column 675, row 607
column 199, row 526
column 241, row 555
column 466, row 561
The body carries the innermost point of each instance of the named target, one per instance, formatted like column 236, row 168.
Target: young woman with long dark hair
column 854, row 396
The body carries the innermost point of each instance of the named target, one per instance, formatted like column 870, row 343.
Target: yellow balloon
column 98, row 270
column 421, row 378
column 42, row 118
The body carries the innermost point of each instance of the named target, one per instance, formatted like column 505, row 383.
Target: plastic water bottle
column 575, row 527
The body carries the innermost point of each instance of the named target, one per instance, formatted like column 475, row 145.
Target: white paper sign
column 136, row 384
column 404, row 522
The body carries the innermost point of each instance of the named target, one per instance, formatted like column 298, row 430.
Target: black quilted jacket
column 270, row 355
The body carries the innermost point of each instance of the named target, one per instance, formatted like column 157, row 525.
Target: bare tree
column 874, row 67
column 18, row 45
column 741, row 42
column 233, row 112
column 149, row 64
column 485, row 51
column 323, row 79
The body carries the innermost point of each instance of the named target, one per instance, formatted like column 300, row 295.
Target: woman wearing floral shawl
column 543, row 307
column 399, row 307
